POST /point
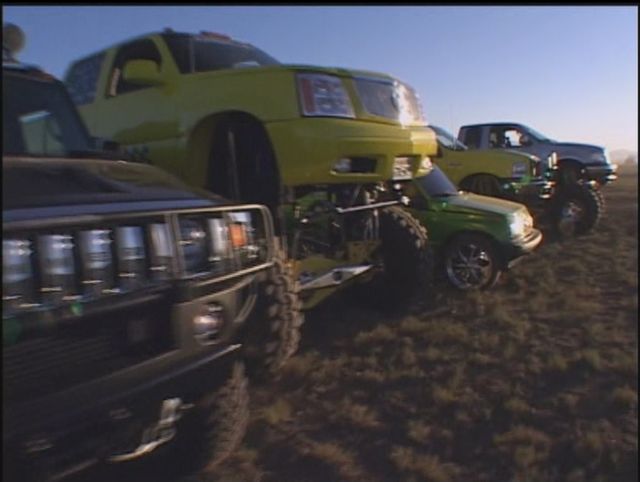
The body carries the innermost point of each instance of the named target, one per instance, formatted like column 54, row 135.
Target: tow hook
column 158, row 433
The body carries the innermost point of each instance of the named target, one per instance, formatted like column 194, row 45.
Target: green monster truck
column 327, row 149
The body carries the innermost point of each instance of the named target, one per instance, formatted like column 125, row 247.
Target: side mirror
column 142, row 72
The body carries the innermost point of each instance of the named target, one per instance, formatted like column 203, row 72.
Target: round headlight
column 208, row 324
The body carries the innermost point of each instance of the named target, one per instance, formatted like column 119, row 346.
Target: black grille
column 84, row 349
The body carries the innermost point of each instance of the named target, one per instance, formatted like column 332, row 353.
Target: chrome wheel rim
column 469, row 266
column 570, row 215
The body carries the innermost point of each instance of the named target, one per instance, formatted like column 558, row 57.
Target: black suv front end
column 123, row 300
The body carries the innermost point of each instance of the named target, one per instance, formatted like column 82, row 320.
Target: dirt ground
column 535, row 380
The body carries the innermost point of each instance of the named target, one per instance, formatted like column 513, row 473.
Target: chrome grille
column 390, row 99
column 48, row 266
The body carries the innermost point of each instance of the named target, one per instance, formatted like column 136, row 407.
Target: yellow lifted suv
column 226, row 116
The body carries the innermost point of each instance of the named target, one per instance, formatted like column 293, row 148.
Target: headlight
column 161, row 251
column 194, row 245
column 17, row 274
column 519, row 169
column 131, row 256
column 97, row 263
column 323, row 95
column 57, row 267
column 520, row 223
column 602, row 156
column 248, row 237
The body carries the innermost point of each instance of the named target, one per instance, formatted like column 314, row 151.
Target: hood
column 576, row 145
column 508, row 155
column 470, row 203
column 33, row 187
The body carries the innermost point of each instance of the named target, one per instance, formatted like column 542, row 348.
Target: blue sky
column 569, row 72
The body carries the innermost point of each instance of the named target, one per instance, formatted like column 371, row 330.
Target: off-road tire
column 406, row 256
column 589, row 200
column 482, row 184
column 468, row 244
column 272, row 334
column 211, row 434
column 225, row 421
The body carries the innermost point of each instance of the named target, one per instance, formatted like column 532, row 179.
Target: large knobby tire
column 211, row 434
column 272, row 334
column 471, row 262
column 577, row 210
column 483, row 184
column 406, row 256
column 225, row 420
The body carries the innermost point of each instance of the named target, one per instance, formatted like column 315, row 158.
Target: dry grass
column 533, row 381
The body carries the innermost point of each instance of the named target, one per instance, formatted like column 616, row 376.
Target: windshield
column 536, row 135
column 202, row 54
column 39, row 118
column 447, row 140
column 437, row 184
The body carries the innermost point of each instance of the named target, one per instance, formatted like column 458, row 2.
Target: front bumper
column 86, row 427
column 603, row 173
column 514, row 252
column 308, row 148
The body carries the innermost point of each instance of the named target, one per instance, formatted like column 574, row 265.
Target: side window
column 82, row 79
column 513, row 137
column 472, row 137
column 139, row 50
column 498, row 137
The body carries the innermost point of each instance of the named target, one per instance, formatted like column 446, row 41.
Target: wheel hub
column 469, row 267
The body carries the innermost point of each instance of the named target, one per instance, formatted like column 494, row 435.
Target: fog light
column 208, row 324
column 342, row 165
